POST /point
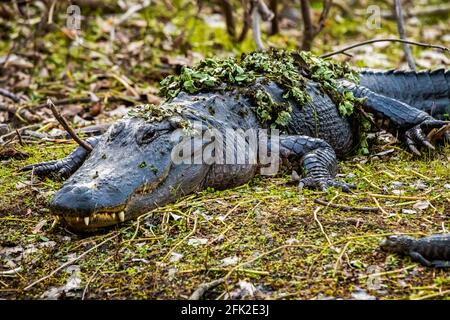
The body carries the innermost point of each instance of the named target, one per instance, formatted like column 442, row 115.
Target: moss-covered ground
column 269, row 239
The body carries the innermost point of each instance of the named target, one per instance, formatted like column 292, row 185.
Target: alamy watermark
column 73, row 20
column 374, row 18
column 228, row 146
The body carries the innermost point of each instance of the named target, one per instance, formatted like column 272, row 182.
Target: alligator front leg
column 400, row 119
column 415, row 256
column 317, row 159
column 65, row 167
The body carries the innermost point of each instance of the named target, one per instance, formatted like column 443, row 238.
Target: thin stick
column 401, row 31
column 320, row 226
column 433, row 295
column 201, row 289
column 339, row 259
column 359, row 44
column 10, row 272
column 66, row 126
column 256, row 29
column 20, row 138
column 379, row 206
column 227, row 8
column 392, row 196
column 10, row 95
column 308, row 28
column 346, row 208
column 69, row 262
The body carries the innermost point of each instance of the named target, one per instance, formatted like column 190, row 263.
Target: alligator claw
column 324, row 183
column 415, row 137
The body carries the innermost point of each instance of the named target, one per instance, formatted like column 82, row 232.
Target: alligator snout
column 83, row 201
column 125, row 166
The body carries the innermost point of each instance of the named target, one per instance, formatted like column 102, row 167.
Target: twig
column 66, row 126
column 323, row 15
column 264, row 11
column 259, row 10
column 51, row 12
column 20, row 138
column 320, row 226
column 339, row 259
column 310, row 31
column 227, row 8
column 379, row 206
column 398, row 197
column 132, row 10
column 274, row 8
column 201, row 289
column 10, row 272
column 10, row 95
column 346, row 208
column 22, row 114
column 69, row 262
column 359, row 44
column 246, row 17
column 433, row 295
column 401, row 31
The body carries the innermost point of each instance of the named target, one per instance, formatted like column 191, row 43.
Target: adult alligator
column 131, row 169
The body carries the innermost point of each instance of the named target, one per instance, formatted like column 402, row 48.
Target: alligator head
column 129, row 172
column 397, row 244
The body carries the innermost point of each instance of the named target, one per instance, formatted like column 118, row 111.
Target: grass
column 312, row 253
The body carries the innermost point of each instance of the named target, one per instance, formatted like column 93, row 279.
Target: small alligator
column 130, row 170
column 431, row 251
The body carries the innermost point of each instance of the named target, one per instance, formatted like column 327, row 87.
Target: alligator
column 431, row 251
column 130, row 170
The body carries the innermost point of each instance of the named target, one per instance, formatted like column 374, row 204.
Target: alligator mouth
column 106, row 217
column 96, row 220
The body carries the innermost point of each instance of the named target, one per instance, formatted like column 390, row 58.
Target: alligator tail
column 428, row 91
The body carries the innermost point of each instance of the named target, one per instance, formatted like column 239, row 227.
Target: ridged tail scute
column 428, row 91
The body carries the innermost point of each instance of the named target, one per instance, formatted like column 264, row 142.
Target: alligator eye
column 146, row 136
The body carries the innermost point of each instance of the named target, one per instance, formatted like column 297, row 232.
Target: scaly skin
column 431, row 251
column 130, row 170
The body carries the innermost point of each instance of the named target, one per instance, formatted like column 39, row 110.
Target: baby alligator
column 431, row 251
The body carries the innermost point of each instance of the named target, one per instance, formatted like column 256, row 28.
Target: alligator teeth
column 113, row 216
column 86, row 221
column 122, row 216
column 77, row 219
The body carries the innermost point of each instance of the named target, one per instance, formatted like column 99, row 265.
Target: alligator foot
column 416, row 137
column 440, row 264
column 324, row 184
column 316, row 157
column 65, row 167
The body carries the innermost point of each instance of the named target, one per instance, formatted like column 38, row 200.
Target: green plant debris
column 289, row 69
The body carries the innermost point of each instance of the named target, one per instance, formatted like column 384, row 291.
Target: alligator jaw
column 95, row 220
